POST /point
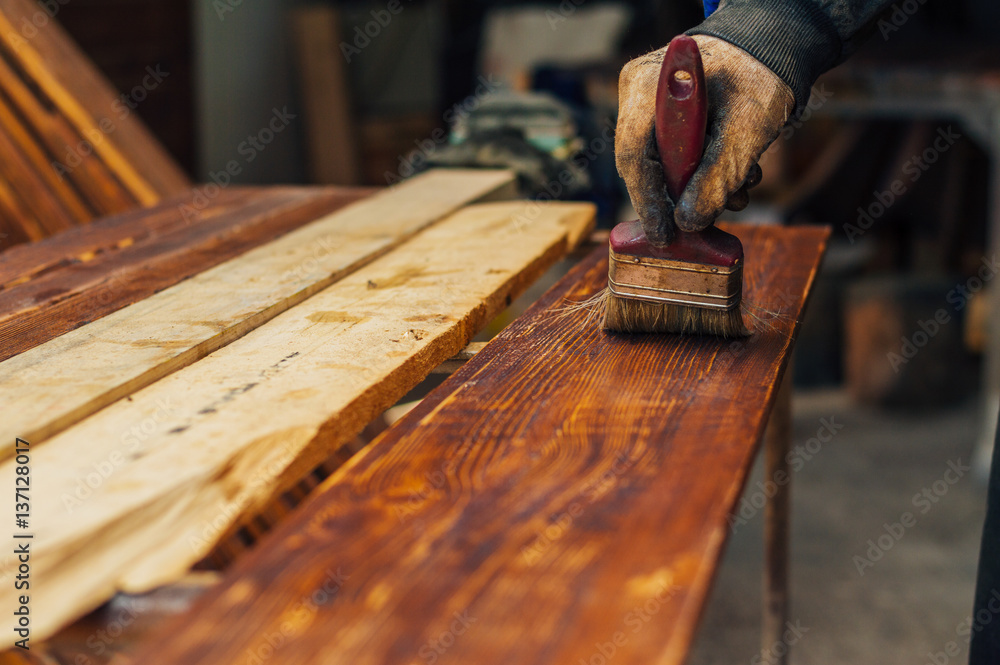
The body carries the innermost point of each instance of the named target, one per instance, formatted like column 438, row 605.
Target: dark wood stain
column 53, row 176
column 571, row 489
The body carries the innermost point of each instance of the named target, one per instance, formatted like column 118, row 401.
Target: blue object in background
column 710, row 6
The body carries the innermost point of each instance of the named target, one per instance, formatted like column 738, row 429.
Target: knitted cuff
column 795, row 39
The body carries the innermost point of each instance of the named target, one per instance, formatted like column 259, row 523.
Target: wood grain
column 179, row 462
column 56, row 108
column 111, row 634
column 55, row 384
column 67, row 281
column 25, row 262
column 563, row 494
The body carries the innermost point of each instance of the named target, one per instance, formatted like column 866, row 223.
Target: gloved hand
column 747, row 107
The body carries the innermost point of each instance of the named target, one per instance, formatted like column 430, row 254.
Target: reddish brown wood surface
column 562, row 497
column 71, row 148
column 54, row 286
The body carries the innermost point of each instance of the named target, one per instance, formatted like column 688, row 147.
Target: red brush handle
column 681, row 113
column 681, row 117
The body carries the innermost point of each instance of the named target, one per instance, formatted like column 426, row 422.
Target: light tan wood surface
column 52, row 386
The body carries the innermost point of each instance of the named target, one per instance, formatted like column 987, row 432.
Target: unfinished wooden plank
column 98, row 277
column 54, row 385
column 191, row 453
column 564, row 494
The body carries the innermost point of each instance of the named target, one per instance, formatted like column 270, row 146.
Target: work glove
column 747, row 107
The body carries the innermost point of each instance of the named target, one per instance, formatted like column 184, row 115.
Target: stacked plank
column 88, row 272
column 241, row 378
column 71, row 148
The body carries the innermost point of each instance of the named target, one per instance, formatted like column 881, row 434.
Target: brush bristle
column 639, row 316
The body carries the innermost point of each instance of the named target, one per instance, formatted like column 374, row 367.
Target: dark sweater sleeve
column 797, row 39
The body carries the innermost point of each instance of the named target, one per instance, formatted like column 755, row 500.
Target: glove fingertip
column 689, row 217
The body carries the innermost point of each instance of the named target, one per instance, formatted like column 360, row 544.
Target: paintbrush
column 694, row 284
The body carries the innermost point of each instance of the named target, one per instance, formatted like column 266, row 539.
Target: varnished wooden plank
column 81, row 95
column 65, row 144
column 562, row 497
column 32, row 188
column 220, row 438
column 41, row 164
column 54, row 385
column 112, row 634
column 112, row 267
column 23, row 263
column 19, row 224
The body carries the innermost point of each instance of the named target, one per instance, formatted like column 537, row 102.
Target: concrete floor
column 914, row 599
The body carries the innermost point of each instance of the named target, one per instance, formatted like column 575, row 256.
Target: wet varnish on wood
column 564, row 492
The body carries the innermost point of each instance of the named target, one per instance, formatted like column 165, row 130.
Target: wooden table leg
column 777, row 440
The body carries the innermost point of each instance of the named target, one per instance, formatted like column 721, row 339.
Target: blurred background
column 898, row 151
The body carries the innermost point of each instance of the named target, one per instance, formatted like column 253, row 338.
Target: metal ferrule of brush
column 667, row 281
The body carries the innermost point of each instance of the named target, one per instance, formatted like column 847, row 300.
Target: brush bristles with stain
column 692, row 285
column 694, row 282
column 636, row 316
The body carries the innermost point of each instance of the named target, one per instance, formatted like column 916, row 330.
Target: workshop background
column 899, row 152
